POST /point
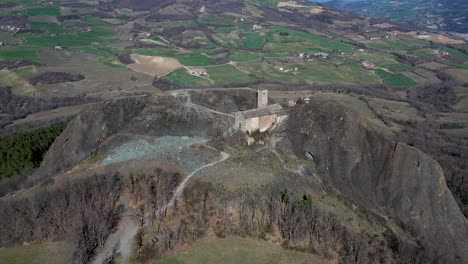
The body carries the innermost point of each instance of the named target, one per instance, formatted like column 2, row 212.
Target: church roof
column 264, row 111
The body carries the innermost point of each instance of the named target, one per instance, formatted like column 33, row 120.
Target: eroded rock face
column 85, row 132
column 148, row 115
column 394, row 180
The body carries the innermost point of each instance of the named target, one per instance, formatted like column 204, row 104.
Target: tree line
column 26, row 150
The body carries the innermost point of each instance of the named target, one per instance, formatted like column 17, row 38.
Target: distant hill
column 448, row 15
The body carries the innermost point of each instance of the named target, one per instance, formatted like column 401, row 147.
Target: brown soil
column 316, row 10
column 152, row 65
column 441, row 39
column 289, row 4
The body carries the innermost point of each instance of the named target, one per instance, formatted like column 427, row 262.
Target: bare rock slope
column 146, row 115
column 396, row 181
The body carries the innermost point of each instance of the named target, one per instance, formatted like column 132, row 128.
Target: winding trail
column 121, row 241
column 181, row 187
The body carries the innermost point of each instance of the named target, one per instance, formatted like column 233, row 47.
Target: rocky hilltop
column 396, row 181
column 401, row 189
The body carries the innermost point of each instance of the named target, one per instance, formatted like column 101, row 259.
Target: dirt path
column 121, row 241
column 181, row 187
column 209, row 110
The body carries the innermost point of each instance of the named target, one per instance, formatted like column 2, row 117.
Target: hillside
column 346, row 177
column 447, row 15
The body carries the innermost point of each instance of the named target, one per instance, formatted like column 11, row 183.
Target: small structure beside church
column 262, row 118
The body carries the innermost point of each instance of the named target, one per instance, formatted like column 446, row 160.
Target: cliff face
column 154, row 116
column 85, row 132
column 394, row 180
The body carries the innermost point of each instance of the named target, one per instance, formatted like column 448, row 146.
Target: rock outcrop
column 146, row 115
column 396, row 181
column 85, row 132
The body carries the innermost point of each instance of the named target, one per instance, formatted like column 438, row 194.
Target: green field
column 181, row 77
column 398, row 67
column 50, row 253
column 286, row 35
column 228, row 74
column 19, row 86
column 244, row 56
column 18, row 53
column 193, row 59
column 252, row 41
column 395, row 79
column 43, row 11
column 237, row 251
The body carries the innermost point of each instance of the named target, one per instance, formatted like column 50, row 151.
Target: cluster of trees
column 55, row 77
column 274, row 211
column 85, row 211
column 434, row 97
column 82, row 213
column 26, row 150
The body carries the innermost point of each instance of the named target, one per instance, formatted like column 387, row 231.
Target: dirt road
column 121, row 241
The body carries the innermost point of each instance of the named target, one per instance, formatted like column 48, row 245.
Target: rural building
column 261, row 118
column 368, row 65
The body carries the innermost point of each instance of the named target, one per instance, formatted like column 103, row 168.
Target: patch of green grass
column 228, row 74
column 52, row 28
column 426, row 53
column 43, row 11
column 453, row 52
column 312, row 72
column 193, row 59
column 398, row 67
column 106, row 55
column 113, row 21
column 111, row 63
column 94, row 21
column 78, row 5
column 18, row 85
column 292, row 48
column 25, row 72
column 252, row 41
column 221, row 29
column 377, row 58
column 238, row 250
column 52, row 253
column 254, row 10
column 159, row 51
column 181, row 77
column 98, row 32
column 215, row 20
column 98, row 35
column 244, row 56
column 124, row 11
column 287, row 35
column 18, row 53
column 159, row 39
column 399, row 43
column 63, row 40
column 395, row 79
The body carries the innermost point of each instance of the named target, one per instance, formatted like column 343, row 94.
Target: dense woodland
column 26, row 150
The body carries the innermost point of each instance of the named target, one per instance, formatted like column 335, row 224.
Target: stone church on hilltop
column 262, row 118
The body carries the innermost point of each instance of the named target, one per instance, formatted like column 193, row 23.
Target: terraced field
column 257, row 46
